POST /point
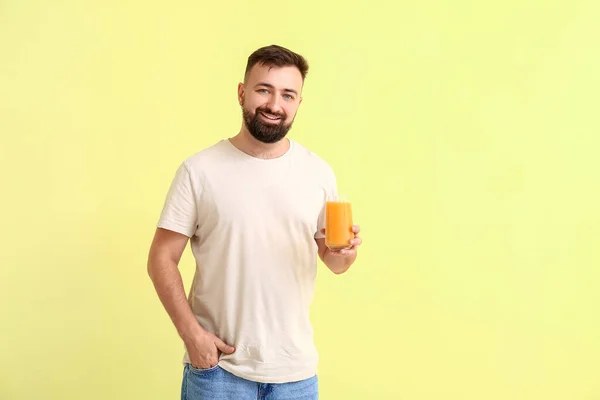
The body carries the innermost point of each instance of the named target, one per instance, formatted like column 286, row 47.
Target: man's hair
column 277, row 56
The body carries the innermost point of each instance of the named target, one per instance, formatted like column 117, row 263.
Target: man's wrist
column 190, row 330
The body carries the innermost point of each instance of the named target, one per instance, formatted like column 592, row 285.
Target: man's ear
column 241, row 91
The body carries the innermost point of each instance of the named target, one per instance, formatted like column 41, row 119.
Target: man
column 252, row 207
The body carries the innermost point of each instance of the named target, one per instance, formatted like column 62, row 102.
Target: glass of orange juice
column 338, row 223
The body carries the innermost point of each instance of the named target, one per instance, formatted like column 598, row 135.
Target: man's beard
column 264, row 131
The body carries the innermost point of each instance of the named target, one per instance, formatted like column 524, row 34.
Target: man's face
column 270, row 98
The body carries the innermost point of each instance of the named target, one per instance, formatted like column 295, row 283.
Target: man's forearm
column 169, row 286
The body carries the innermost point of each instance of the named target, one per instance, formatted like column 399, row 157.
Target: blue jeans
column 217, row 384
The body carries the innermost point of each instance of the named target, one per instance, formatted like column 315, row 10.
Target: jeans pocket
column 202, row 371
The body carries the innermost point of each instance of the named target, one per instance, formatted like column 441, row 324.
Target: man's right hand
column 163, row 260
column 204, row 349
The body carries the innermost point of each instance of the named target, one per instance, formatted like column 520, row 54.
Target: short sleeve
column 179, row 213
column 330, row 191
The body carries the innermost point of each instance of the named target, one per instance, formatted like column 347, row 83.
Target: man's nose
column 274, row 105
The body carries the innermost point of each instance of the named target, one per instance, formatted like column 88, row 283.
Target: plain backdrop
column 465, row 133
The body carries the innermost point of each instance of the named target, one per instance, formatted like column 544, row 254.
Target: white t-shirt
column 253, row 224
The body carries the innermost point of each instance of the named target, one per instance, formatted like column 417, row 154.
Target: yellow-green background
column 466, row 133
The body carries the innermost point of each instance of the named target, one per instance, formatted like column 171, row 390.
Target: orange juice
column 338, row 225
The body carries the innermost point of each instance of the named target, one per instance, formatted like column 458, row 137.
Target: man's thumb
column 223, row 347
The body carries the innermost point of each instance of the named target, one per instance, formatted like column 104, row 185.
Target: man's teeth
column 270, row 116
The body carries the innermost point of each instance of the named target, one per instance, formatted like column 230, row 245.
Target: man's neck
column 245, row 142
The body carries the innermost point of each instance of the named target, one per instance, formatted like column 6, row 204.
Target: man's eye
column 263, row 91
column 288, row 97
